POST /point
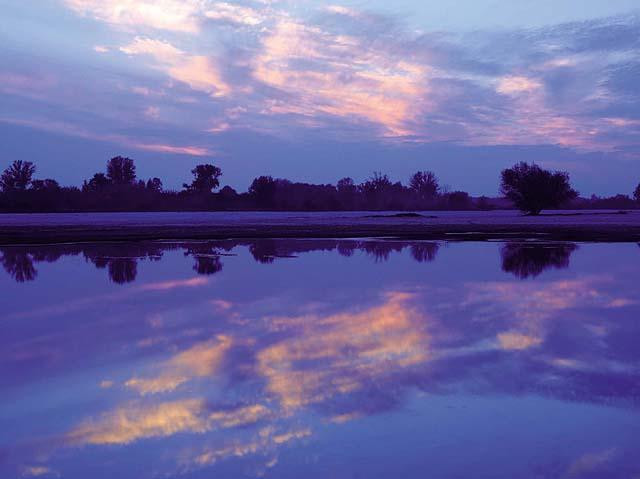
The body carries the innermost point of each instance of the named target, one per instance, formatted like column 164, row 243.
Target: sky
column 316, row 91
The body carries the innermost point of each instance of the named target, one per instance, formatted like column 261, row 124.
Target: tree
column 424, row 184
column 636, row 193
column 532, row 189
column 346, row 186
column 263, row 190
column 18, row 176
column 121, row 171
column 155, row 185
column 45, row 185
column 97, row 183
column 206, row 179
column 378, row 183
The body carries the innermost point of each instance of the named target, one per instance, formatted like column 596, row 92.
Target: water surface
column 320, row 358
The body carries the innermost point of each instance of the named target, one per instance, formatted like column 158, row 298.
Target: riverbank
column 611, row 226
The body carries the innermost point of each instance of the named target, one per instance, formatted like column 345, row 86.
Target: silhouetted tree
column 17, row 177
column 121, row 171
column 263, row 191
column 526, row 260
column 532, row 189
column 45, row 185
column 206, row 179
column 377, row 191
column 636, row 193
column 154, row 184
column 346, row 186
column 424, row 184
column 457, row 200
column 377, row 184
column 347, row 193
column 483, row 204
column 97, row 183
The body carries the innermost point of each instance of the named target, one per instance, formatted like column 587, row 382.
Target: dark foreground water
column 320, row 359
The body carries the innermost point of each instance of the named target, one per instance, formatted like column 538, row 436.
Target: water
column 320, row 359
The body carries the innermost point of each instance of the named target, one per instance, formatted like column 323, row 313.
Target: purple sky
column 315, row 92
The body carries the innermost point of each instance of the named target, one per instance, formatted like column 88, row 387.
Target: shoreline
column 454, row 226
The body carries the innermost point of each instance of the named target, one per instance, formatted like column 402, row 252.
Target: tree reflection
column 18, row 264
column 123, row 270
column 424, row 252
column 380, row 250
column 529, row 260
column 121, row 259
column 207, row 258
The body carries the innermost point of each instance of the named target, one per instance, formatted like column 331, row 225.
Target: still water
column 320, row 359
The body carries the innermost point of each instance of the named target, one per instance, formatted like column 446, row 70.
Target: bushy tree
column 45, row 185
column 155, row 185
column 346, row 186
column 17, row 177
column 424, row 184
column 121, row 171
column 377, row 184
column 533, row 189
column 206, row 179
column 97, row 183
column 263, row 191
column 636, row 193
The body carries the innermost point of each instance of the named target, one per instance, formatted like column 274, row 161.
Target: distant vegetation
column 526, row 187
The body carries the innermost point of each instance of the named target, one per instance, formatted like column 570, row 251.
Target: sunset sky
column 314, row 91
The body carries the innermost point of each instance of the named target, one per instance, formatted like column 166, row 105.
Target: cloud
column 197, row 71
column 39, row 471
column 515, row 341
column 234, row 13
column 590, row 462
column 173, row 15
column 512, row 85
column 79, row 132
column 322, row 73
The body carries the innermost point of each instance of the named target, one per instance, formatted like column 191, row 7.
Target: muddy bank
column 560, row 226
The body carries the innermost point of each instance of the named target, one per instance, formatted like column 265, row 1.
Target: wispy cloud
column 175, row 15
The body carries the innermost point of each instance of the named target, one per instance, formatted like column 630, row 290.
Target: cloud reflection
column 201, row 360
column 347, row 349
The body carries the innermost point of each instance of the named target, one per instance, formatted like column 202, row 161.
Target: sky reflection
column 320, row 358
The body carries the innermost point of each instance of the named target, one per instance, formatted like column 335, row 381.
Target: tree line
column 527, row 187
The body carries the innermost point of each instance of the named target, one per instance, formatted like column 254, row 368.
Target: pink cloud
column 173, row 15
column 350, row 80
column 197, row 71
